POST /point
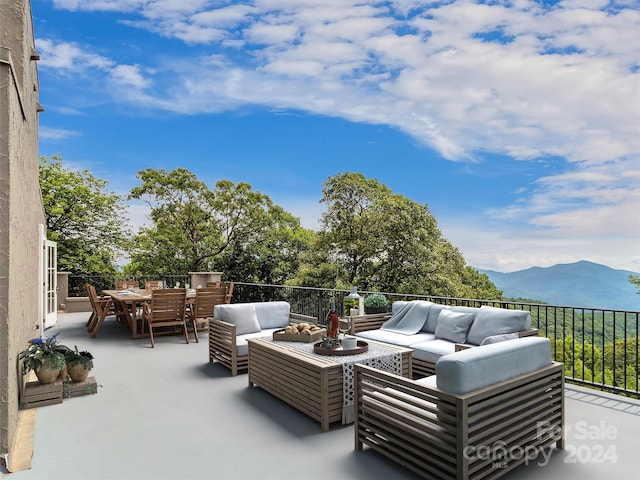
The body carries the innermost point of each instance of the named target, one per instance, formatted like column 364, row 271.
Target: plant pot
column 370, row 310
column 78, row 373
column 46, row 374
column 63, row 374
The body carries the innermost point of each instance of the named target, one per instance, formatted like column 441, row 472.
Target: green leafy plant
column 43, row 351
column 74, row 357
column 375, row 300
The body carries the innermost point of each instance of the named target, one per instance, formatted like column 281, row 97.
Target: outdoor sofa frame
column 479, row 435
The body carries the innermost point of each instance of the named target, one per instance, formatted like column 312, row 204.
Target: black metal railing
column 599, row 347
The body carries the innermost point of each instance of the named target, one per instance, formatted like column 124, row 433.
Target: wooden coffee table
column 310, row 382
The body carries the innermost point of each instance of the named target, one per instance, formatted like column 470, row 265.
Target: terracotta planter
column 78, row 373
column 46, row 374
column 63, row 374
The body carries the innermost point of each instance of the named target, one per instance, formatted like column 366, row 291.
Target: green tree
column 635, row 280
column 183, row 234
column 378, row 240
column 478, row 285
column 230, row 228
column 85, row 219
column 273, row 256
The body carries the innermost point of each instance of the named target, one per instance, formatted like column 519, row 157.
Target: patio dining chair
column 227, row 285
column 201, row 310
column 126, row 284
column 167, row 308
column 152, row 284
column 102, row 307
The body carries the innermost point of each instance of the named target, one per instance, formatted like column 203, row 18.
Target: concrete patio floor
column 167, row 413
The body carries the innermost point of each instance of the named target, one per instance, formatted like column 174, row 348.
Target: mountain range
column 580, row 284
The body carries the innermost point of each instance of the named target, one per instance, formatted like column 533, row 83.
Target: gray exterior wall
column 21, row 210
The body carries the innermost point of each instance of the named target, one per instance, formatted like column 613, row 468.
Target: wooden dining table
column 127, row 303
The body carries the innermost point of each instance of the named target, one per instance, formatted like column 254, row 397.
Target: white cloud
column 129, row 76
column 69, row 56
column 100, row 5
column 56, row 133
column 523, row 79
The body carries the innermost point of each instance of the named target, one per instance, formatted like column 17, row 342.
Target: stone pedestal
column 62, row 285
column 200, row 279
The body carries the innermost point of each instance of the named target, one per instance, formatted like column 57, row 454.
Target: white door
column 49, row 282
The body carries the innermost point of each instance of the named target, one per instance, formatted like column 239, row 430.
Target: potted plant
column 79, row 364
column 63, row 349
column 44, row 357
column 375, row 303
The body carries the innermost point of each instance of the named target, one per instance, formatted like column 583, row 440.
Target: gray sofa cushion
column 495, row 321
column 394, row 338
column 453, row 326
column 431, row 351
column 432, row 319
column 474, row 368
column 272, row 314
column 462, row 309
column 242, row 347
column 499, row 338
column 242, row 315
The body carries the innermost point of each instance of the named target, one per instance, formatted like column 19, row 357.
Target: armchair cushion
column 242, row 315
column 453, row 326
column 468, row 370
column 272, row 314
column 495, row 321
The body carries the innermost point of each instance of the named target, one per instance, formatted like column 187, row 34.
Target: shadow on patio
column 167, row 413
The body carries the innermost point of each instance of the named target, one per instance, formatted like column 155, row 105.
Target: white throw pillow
column 453, row 326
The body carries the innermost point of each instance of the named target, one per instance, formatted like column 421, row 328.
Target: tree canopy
column 378, row 240
column 230, row 228
column 369, row 236
column 83, row 217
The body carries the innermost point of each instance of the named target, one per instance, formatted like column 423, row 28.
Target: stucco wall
column 20, row 203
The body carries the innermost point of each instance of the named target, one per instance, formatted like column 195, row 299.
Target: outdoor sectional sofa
column 433, row 330
column 484, row 412
column 233, row 324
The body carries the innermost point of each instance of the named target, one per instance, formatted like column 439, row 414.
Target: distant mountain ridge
column 580, row 284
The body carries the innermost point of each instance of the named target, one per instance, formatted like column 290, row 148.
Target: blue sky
column 517, row 122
